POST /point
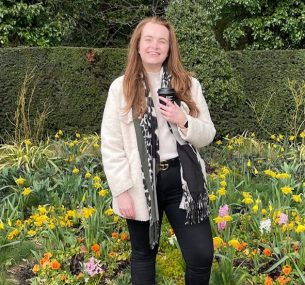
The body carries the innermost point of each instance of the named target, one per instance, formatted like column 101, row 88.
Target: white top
column 167, row 142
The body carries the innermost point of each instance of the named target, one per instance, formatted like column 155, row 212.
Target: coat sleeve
column 115, row 162
column 201, row 130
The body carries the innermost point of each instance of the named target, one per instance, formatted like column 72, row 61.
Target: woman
column 150, row 157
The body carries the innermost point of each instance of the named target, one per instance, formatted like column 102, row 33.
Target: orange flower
column 55, row 264
column 114, row 235
column 95, row 247
column 286, row 269
column 36, row 268
column 268, row 281
column 111, row 254
column 80, row 276
column 283, row 280
column 63, row 277
column 267, row 252
column 124, row 236
column 241, row 246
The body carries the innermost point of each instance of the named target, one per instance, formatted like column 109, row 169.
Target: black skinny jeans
column 195, row 241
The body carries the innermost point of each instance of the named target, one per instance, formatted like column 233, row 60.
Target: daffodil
column 75, row 171
column 109, row 212
column 87, row 175
column 20, row 181
column 300, row 229
column 221, row 191
column 297, row 198
column 212, row 197
column 102, row 192
column 286, row 190
column 26, row 191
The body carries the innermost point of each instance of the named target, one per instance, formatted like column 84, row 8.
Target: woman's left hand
column 172, row 113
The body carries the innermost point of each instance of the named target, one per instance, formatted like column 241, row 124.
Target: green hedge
column 264, row 77
column 76, row 89
column 73, row 87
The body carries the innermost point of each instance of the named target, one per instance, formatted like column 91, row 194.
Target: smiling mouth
column 153, row 53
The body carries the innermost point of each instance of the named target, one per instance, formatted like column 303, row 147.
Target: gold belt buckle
column 164, row 165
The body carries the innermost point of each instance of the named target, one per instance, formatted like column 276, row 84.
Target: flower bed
column 54, row 193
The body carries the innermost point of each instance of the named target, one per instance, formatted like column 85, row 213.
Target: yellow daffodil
column 225, row 170
column 31, row 232
column 255, row 208
column 109, row 212
column 249, row 164
column 219, row 142
column 270, row 173
column 28, row 142
column 291, row 138
column 75, row 171
column 234, row 243
column 2, row 227
column 218, row 219
column 88, row 212
column 284, row 175
column 286, row 190
column 97, row 185
column 300, row 229
column 20, row 181
column 60, row 132
column 223, row 183
column 96, row 178
column 227, row 218
column 221, row 191
column 297, row 198
column 102, row 192
column 26, row 191
column 212, row 197
column 248, row 200
column 77, row 135
column 87, row 175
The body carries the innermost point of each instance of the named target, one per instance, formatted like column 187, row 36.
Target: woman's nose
column 154, row 44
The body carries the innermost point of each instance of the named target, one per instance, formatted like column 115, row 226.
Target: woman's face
column 153, row 46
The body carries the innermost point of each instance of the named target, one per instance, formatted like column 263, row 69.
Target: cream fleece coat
column 120, row 156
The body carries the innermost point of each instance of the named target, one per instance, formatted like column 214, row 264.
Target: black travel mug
column 166, row 90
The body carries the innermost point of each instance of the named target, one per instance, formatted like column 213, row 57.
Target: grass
column 11, row 257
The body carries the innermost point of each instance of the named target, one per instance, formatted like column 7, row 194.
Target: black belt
column 165, row 164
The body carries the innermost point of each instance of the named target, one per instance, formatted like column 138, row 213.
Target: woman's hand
column 172, row 112
column 126, row 206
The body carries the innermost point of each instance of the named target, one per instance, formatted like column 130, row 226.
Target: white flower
column 172, row 239
column 265, row 225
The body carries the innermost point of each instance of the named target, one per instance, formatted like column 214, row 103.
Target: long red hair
column 133, row 86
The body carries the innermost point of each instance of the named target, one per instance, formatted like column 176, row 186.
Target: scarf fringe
column 154, row 233
column 196, row 209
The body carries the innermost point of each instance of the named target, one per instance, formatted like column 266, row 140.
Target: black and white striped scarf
column 195, row 194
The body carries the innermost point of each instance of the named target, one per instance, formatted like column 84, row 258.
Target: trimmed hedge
column 74, row 82
column 264, row 77
column 73, row 87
